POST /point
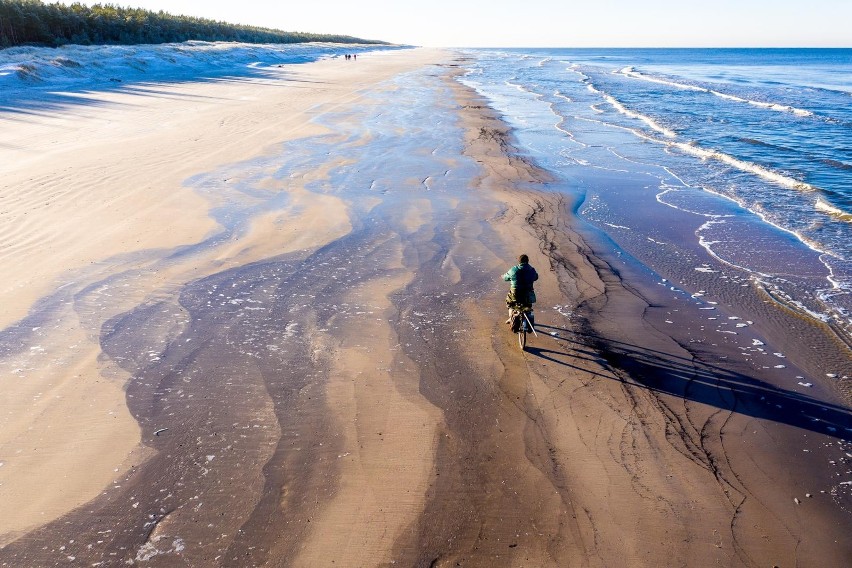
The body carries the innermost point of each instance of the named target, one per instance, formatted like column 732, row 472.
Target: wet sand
column 323, row 376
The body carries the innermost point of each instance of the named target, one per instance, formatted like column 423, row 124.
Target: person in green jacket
column 521, row 277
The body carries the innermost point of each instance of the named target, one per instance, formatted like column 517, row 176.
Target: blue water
column 754, row 143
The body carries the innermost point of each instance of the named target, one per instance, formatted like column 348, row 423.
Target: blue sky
column 548, row 23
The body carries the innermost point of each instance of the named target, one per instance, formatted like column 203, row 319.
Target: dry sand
column 85, row 188
column 380, row 415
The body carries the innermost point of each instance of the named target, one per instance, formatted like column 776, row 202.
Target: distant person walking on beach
column 521, row 277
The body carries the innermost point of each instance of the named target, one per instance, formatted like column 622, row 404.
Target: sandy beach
column 258, row 321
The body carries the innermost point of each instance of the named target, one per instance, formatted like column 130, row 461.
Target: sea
column 731, row 164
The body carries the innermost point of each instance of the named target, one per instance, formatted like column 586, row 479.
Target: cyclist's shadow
column 572, row 357
column 691, row 379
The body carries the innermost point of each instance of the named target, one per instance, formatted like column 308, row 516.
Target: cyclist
column 521, row 294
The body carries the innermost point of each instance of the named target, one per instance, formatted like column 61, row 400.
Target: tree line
column 32, row 22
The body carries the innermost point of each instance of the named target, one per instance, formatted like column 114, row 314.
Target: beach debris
column 779, row 355
column 757, row 342
column 806, row 384
column 563, row 310
column 796, row 500
column 160, row 431
column 780, row 366
column 808, row 495
column 831, row 375
column 554, row 334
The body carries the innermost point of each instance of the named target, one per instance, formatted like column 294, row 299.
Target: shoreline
column 619, row 294
column 334, row 382
column 697, row 225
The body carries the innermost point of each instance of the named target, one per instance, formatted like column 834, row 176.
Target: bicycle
column 522, row 323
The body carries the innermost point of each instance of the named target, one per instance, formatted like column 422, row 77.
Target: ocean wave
column 761, row 104
column 630, row 72
column 575, row 68
column 520, row 87
column 742, row 165
column 632, row 114
column 761, row 143
column 837, row 164
column 835, row 212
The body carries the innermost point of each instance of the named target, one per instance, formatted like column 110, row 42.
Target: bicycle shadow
column 698, row 381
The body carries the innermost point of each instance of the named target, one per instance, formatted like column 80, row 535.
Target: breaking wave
column 632, row 114
column 630, row 72
column 836, row 212
column 743, row 165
